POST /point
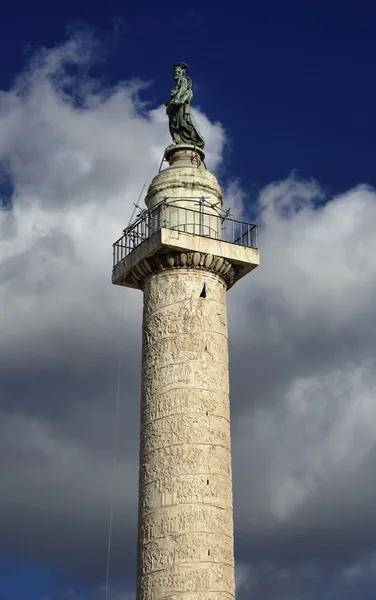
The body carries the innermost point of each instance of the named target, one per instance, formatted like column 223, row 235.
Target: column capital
column 183, row 260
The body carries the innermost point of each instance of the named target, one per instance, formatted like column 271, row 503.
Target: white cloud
column 315, row 286
column 319, row 259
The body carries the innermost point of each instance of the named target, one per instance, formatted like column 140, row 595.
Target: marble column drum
column 185, row 528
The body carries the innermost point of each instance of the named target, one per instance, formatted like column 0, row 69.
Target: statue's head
column 180, row 69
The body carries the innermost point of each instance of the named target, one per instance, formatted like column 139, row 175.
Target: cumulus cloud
column 75, row 155
column 304, row 423
column 307, row 582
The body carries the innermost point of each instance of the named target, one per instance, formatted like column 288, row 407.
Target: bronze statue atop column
column 183, row 126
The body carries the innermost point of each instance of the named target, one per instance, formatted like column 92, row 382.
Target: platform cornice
column 169, row 249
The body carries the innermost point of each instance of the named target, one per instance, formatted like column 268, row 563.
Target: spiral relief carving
column 185, row 537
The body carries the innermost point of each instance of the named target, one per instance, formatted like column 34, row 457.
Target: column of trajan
column 184, row 253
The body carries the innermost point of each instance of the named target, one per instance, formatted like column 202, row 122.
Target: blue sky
column 22, row 580
column 292, row 82
column 285, row 94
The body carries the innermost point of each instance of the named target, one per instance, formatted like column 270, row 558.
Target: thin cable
column 143, row 187
column 116, row 429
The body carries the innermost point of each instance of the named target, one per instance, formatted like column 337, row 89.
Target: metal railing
column 208, row 221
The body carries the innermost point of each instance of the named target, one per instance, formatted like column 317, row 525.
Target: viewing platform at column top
column 184, row 214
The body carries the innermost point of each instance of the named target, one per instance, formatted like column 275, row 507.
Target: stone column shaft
column 183, row 257
column 185, row 535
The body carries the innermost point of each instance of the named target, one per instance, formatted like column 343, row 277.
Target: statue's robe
column 183, row 126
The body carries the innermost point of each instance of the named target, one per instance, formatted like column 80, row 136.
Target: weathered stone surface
column 185, row 540
column 184, row 260
column 184, row 181
column 175, row 582
column 196, row 401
